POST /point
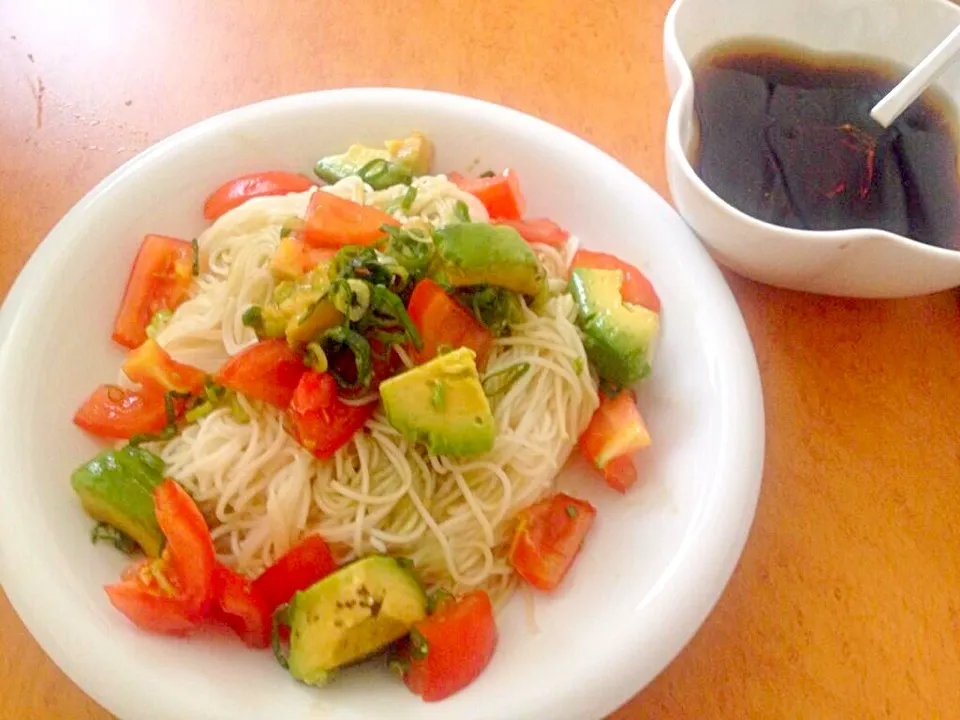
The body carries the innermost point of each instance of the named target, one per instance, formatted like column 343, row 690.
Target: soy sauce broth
column 786, row 136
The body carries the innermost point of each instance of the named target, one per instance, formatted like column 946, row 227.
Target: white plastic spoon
column 918, row 80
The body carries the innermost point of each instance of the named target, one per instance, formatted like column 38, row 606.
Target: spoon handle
column 918, row 80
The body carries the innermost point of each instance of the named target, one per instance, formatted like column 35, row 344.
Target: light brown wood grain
column 846, row 603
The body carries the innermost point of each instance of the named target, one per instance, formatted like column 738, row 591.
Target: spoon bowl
column 852, row 263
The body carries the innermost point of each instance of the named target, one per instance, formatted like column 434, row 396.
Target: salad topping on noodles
column 344, row 408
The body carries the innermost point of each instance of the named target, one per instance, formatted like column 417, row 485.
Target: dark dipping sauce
column 786, row 136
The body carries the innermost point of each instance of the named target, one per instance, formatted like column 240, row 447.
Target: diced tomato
column 539, row 231
column 636, row 289
column 293, row 258
column 159, row 280
column 616, row 431
column 500, row 194
column 241, row 608
column 333, row 222
column 174, row 593
column 442, row 321
column 114, row 412
column 448, row 650
column 321, row 421
column 620, row 473
column 151, row 364
column 297, row 569
column 268, row 371
column 548, row 537
column 237, row 191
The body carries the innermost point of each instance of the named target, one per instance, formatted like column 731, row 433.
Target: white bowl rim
column 684, row 97
column 686, row 592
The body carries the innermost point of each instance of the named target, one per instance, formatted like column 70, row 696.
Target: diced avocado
column 415, row 152
column 618, row 337
column 116, row 488
column 483, row 254
column 293, row 259
column 442, row 405
column 301, row 310
column 350, row 615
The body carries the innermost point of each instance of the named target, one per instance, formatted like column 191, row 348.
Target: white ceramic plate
column 652, row 569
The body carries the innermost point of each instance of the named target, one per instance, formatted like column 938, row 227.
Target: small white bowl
column 855, row 263
column 654, row 565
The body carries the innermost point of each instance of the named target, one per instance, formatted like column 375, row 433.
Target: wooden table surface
column 846, row 603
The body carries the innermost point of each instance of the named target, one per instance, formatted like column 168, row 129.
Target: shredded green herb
column 120, row 540
column 252, row 317
column 387, row 303
column 495, row 307
column 409, row 197
column 500, row 382
column 195, row 245
column 236, row 410
column 412, row 248
column 461, row 211
column 571, row 511
column 284, row 231
column 578, row 366
column 341, row 337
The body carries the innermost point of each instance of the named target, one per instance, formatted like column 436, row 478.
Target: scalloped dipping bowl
column 656, row 560
column 853, row 263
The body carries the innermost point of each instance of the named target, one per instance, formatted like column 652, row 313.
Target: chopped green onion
column 316, row 358
column 578, row 366
column 201, row 410
column 438, row 596
column 351, row 297
column 571, row 511
column 488, row 174
column 389, row 303
column 252, row 317
column 409, row 197
column 343, row 336
column 418, row 645
column 380, row 174
column 500, row 382
column 438, row 397
column 195, row 244
column 461, row 211
column 120, row 540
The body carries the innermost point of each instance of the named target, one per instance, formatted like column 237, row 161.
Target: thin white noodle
column 452, row 517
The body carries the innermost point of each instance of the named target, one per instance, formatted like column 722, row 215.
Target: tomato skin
column 159, row 280
column 150, row 363
column 332, row 222
column 548, row 537
column 174, row 593
column 539, row 231
column 441, row 320
column 616, row 431
column 117, row 413
column 234, row 193
column 636, row 289
column 268, row 371
column 241, row 608
column 189, row 550
column 319, row 420
column 306, row 563
column 150, row 612
column 500, row 194
column 461, row 637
